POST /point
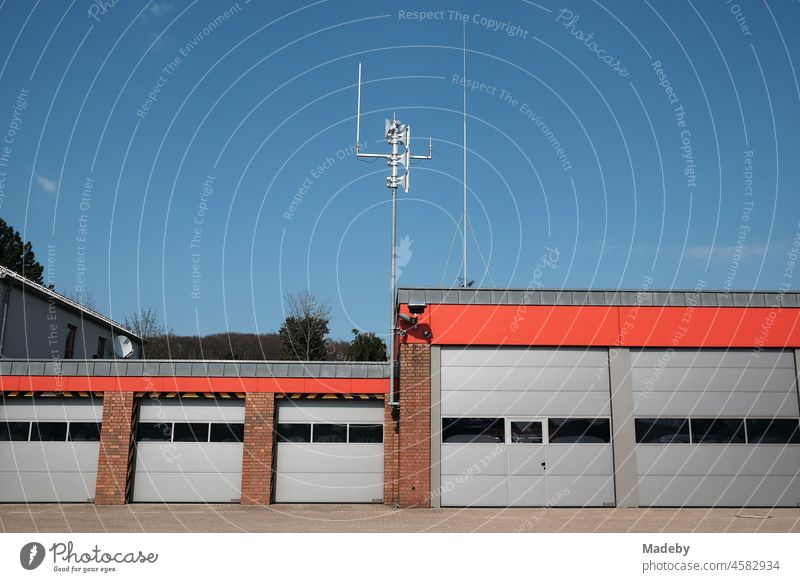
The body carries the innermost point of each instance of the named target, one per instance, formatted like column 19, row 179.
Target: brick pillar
column 415, row 425
column 116, row 446
column 259, row 427
column 390, row 459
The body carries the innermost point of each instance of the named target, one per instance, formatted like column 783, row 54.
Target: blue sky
column 575, row 151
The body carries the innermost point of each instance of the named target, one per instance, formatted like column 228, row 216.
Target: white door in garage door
column 526, row 462
column 189, row 450
column 49, row 449
column 329, row 451
column 496, row 401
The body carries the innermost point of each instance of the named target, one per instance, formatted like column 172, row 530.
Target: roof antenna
column 396, row 133
column 466, row 280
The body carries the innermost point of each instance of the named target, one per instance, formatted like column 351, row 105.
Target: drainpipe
column 6, row 298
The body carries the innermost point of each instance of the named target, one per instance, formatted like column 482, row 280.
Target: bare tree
column 304, row 331
column 154, row 333
column 145, row 323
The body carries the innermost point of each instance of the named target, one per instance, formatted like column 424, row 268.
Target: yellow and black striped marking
column 305, row 396
column 207, row 395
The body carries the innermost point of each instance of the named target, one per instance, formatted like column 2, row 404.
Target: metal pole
column 393, row 309
column 465, row 155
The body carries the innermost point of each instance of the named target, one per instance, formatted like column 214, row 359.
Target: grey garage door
column 716, row 427
column 524, row 427
column 189, row 450
column 329, row 451
column 49, row 449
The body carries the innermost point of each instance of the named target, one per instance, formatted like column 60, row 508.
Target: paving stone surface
column 380, row 518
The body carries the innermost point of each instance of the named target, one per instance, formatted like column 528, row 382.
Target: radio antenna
column 466, row 281
column 397, row 134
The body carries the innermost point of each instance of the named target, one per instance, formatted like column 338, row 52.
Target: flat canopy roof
column 622, row 297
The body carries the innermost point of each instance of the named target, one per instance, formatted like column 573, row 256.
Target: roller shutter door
column 716, row 427
column 49, row 449
column 525, row 427
column 329, row 451
column 189, row 451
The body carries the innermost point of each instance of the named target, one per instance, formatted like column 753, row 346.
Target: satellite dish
column 123, row 347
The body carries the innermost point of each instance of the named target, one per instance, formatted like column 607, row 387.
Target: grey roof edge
column 119, row 368
column 47, row 292
column 604, row 296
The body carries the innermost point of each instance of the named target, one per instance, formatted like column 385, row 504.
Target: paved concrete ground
column 379, row 518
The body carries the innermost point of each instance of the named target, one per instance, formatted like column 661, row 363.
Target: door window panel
column 579, row 430
column 773, row 431
column 662, row 430
column 473, row 430
column 526, row 432
column 227, row 433
column 14, row 431
column 154, row 432
column 294, row 433
column 717, row 430
column 190, row 432
column 330, row 433
column 49, row 431
column 366, row 433
column 84, row 431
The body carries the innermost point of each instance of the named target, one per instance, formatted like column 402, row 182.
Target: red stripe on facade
column 561, row 325
column 194, row 384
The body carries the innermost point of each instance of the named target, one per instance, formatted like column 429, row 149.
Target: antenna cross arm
column 360, row 155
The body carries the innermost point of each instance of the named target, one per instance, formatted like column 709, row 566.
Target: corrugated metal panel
column 328, row 487
column 692, row 382
column 525, row 382
column 507, row 356
column 711, row 382
column 713, row 358
column 514, row 475
column 737, row 405
column 183, row 410
column 717, row 491
column 716, row 379
column 79, row 409
column 209, row 487
column 720, row 460
column 290, row 410
column 47, row 487
column 49, row 471
column 545, row 378
column 329, row 472
column 357, row 458
column 497, row 403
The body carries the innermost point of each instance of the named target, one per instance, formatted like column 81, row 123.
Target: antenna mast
column 466, row 281
column 396, row 134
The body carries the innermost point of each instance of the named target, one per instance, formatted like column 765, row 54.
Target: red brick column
column 390, row 454
column 116, row 445
column 415, row 425
column 259, row 427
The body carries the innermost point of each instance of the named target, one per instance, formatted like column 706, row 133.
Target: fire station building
column 532, row 398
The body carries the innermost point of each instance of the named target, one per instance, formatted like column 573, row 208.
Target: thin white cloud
column 160, row 8
column 727, row 253
column 47, row 184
